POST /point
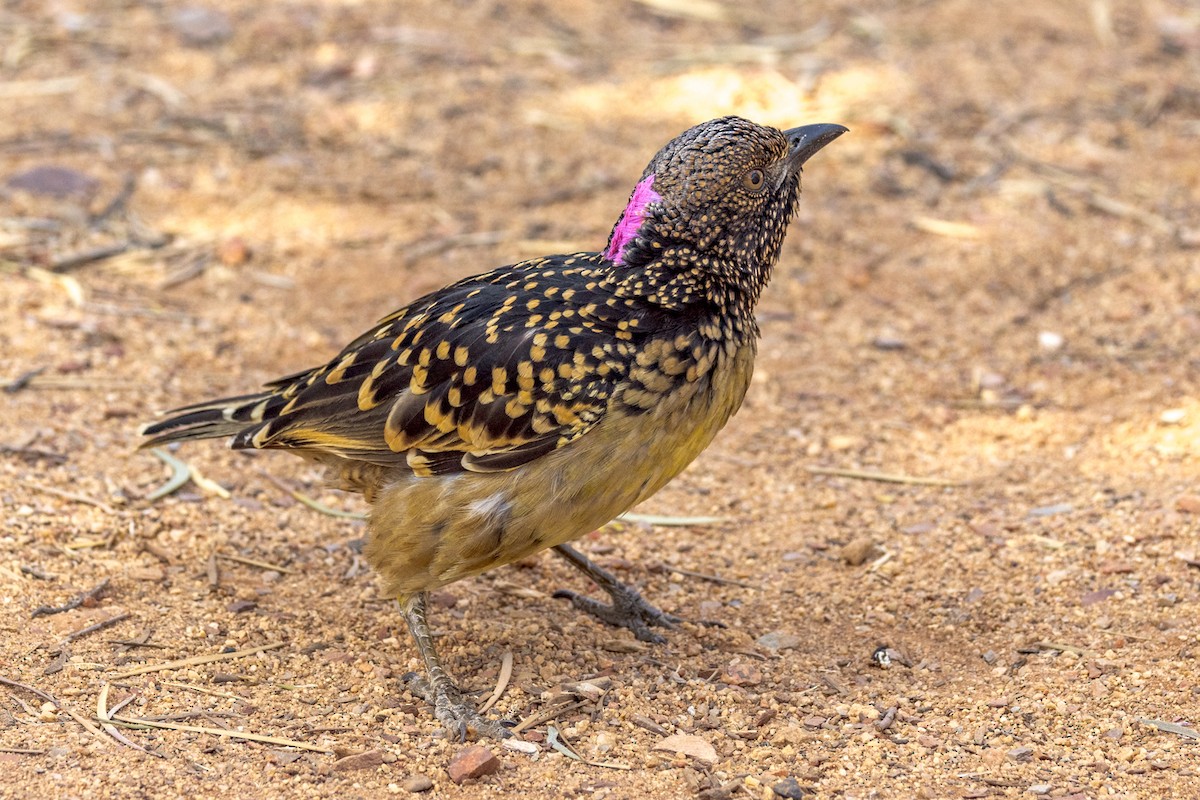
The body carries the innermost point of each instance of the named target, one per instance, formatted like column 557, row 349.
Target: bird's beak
column 806, row 140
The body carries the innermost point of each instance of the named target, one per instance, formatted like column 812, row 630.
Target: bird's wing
column 485, row 375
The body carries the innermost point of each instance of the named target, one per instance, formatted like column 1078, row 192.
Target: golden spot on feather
column 417, row 384
column 514, row 409
column 443, row 350
column 537, row 353
column 454, row 397
column 338, row 373
column 499, row 379
column 460, row 356
column 470, row 375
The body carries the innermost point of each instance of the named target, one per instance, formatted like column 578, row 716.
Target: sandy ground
column 993, row 284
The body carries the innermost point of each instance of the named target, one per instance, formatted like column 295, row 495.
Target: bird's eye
column 754, row 180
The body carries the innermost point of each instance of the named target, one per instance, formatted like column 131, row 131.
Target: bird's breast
column 426, row 532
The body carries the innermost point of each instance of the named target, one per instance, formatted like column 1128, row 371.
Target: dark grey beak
column 806, row 140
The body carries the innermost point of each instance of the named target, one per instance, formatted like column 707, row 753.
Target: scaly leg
column 449, row 706
column 628, row 609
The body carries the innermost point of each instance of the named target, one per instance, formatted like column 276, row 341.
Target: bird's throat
column 631, row 220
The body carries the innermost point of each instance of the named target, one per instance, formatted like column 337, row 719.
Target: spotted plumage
column 520, row 408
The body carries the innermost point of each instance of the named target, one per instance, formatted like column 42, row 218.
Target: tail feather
column 228, row 416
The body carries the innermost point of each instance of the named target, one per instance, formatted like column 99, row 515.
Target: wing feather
column 479, row 376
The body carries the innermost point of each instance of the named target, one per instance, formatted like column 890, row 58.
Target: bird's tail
column 211, row 420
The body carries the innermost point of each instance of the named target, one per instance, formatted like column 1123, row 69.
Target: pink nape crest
column 631, row 221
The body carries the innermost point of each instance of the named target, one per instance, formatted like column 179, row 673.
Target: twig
column 202, row 690
column 119, row 201
column 21, row 381
column 60, row 265
column 99, row 626
column 85, row 722
column 315, row 505
column 711, row 578
column 546, row 715
column 250, row 562
column 105, row 717
column 668, row 521
column 883, row 477
column 72, row 604
column 78, row 498
column 195, row 660
column 232, row 734
column 21, row 751
column 49, row 698
column 506, row 669
column 559, row 742
column 1061, row 647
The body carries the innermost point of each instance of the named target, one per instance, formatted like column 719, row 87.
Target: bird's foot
column 628, row 610
column 460, row 717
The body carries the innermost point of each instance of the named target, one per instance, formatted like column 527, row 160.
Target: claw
column 628, row 610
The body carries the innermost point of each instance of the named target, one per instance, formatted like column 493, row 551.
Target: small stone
column 1050, row 341
column 418, row 783
column 888, row 341
column 788, row 787
column 1172, row 416
column 778, row 640
column 814, row 721
column 1021, row 754
column 859, row 551
column 688, row 745
column 53, row 181
column 1098, row 596
column 740, row 673
column 152, row 574
column 201, row 26
column 843, row 442
column 1040, row 788
column 233, row 252
column 472, row 762
column 1188, row 504
column 368, row 760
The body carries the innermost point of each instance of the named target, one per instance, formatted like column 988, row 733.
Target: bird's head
column 717, row 197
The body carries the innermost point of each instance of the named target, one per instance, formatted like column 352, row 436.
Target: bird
column 521, row 408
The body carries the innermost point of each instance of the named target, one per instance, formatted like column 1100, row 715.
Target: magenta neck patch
column 632, row 219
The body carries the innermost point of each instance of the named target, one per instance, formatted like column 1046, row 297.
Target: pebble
column 788, row 787
column 472, row 762
column 741, row 673
column 368, row 760
column 418, row 783
column 778, row 640
column 53, row 181
column 689, row 745
column 201, row 26
column 1050, row 341
column 859, row 551
column 1188, row 504
column 1172, row 416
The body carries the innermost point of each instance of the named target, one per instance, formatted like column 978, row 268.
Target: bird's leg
column 628, row 610
column 449, row 706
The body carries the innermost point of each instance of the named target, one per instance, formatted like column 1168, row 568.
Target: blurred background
column 993, row 279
